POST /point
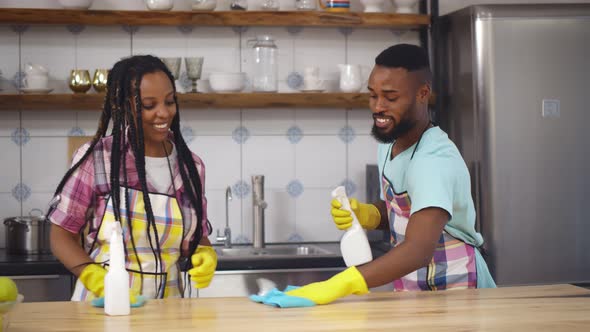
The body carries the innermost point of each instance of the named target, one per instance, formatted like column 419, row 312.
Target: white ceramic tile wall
column 210, row 122
column 221, row 156
column 87, row 121
column 10, row 170
column 52, row 123
column 321, row 161
column 94, row 51
column 9, row 121
column 271, row 156
column 268, row 121
column 220, row 47
column 320, row 121
column 361, row 120
column 361, row 151
column 8, row 57
column 48, row 154
column 302, row 152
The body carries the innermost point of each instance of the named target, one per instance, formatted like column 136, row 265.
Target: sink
column 278, row 251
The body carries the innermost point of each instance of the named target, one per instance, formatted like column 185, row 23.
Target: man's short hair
column 410, row 57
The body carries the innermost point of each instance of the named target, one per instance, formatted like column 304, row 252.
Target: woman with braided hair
column 142, row 175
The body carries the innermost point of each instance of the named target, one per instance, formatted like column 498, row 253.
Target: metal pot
column 27, row 235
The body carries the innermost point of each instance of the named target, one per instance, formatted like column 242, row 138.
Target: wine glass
column 194, row 67
column 173, row 65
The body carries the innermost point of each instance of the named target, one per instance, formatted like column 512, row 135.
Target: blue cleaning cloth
column 140, row 300
column 277, row 298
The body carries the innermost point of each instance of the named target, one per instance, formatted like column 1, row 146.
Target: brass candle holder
column 99, row 82
column 79, row 80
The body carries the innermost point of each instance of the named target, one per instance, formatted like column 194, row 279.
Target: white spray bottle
column 354, row 244
column 116, row 282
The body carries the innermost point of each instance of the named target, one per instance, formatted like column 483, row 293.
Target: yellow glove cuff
column 354, row 280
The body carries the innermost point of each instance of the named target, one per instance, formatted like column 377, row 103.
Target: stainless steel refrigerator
column 514, row 83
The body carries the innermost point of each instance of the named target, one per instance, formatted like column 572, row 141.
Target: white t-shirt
column 159, row 173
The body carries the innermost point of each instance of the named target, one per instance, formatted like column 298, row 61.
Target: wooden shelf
column 213, row 18
column 94, row 101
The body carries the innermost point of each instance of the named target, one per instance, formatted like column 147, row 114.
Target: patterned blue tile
column 347, row 134
column 239, row 30
column 75, row 29
column 293, row 30
column 21, row 192
column 398, row 33
column 345, row 31
column 294, row 80
column 130, row 29
column 76, row 131
column 19, row 28
column 295, row 238
column 241, row 189
column 241, row 239
column 185, row 29
column 294, row 134
column 20, row 136
column 241, row 135
column 187, row 133
column 18, row 79
column 350, row 187
column 295, row 188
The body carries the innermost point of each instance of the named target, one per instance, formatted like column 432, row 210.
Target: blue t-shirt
column 436, row 176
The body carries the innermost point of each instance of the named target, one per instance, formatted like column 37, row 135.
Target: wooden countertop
column 531, row 308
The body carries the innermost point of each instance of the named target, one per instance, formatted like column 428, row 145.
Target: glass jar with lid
column 265, row 66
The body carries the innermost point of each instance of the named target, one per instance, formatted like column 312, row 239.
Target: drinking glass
column 194, row 67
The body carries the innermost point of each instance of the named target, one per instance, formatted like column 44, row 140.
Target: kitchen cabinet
column 24, row 16
column 43, row 288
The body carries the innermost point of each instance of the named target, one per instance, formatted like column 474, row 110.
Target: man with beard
column 425, row 201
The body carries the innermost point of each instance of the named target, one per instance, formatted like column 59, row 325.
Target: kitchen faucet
column 258, row 206
column 226, row 238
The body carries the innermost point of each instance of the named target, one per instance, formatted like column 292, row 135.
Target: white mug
column 36, row 81
column 352, row 77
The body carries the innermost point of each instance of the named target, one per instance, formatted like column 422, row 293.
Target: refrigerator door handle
column 475, row 169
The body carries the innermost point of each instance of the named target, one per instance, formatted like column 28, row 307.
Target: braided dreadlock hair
column 123, row 88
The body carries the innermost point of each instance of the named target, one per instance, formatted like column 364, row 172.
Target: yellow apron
column 156, row 280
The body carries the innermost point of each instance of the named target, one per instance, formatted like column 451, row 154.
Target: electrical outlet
column 550, row 108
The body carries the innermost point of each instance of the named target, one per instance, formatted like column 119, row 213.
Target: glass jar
column 266, row 68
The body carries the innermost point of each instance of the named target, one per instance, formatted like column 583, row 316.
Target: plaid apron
column 151, row 280
column 453, row 263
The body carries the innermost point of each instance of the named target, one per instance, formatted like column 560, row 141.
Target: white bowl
column 227, row 82
column 76, row 4
column 204, row 5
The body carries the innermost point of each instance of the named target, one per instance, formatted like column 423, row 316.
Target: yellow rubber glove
column 367, row 214
column 92, row 277
column 204, row 263
column 347, row 282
